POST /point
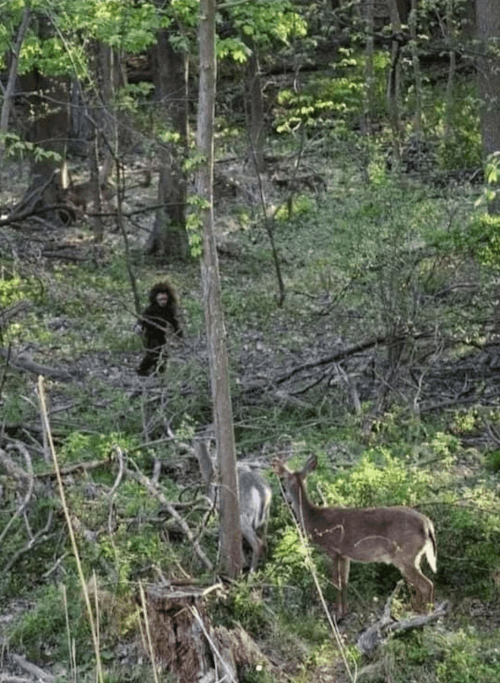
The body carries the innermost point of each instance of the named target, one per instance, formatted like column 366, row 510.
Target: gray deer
column 399, row 536
column 254, row 497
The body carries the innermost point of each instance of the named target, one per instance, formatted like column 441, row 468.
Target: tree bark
column 450, row 83
column 231, row 552
column 412, row 19
column 488, row 72
column 393, row 85
column 256, row 110
column 169, row 237
column 8, row 95
column 368, row 91
column 49, row 131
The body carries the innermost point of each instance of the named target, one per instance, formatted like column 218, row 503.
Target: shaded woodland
column 326, row 216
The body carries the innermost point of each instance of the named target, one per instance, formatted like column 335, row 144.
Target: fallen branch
column 21, row 361
column 28, row 483
column 28, row 205
column 153, row 490
column 40, row 537
column 8, row 313
column 341, row 354
column 32, row 669
column 370, row 639
column 77, row 467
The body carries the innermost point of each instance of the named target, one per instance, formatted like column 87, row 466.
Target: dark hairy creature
column 155, row 323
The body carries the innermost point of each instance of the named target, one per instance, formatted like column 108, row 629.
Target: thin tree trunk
column 231, row 552
column 417, row 121
column 95, row 182
column 256, row 122
column 11, row 82
column 488, row 70
column 393, row 85
column 450, row 83
column 170, row 71
column 368, row 93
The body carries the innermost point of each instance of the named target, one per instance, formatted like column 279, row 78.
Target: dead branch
column 153, row 490
column 40, row 537
column 28, row 205
column 341, row 354
column 12, row 469
column 30, row 486
column 386, row 625
column 77, row 467
column 8, row 313
column 32, row 669
column 21, row 361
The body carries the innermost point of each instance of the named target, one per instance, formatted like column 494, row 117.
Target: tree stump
column 184, row 640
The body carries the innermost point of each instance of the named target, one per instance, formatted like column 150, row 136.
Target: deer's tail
column 430, row 548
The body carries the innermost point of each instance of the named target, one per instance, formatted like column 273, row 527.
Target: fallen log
column 23, row 362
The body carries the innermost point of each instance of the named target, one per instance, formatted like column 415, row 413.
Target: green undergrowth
column 355, row 265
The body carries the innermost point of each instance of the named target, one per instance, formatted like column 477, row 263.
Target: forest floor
column 294, row 358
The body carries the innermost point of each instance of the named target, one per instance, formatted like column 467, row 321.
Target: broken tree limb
column 21, row 361
column 341, row 354
column 25, row 477
column 153, row 490
column 370, row 639
column 32, row 669
column 6, row 314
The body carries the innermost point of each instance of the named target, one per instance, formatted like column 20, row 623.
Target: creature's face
column 162, row 299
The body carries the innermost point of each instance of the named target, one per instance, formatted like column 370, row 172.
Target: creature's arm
column 173, row 319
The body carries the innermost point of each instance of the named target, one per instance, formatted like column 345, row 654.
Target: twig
column 340, row 355
column 25, row 476
column 70, row 469
column 39, row 537
column 119, row 477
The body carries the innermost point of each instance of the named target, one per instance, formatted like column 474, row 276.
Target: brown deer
column 394, row 535
column 255, row 496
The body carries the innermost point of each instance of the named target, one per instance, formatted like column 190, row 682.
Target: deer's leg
column 255, row 543
column 340, row 578
column 344, row 566
column 424, row 588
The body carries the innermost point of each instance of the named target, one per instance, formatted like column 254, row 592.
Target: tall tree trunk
column 488, row 72
column 393, row 85
column 8, row 95
column 450, row 83
column 231, row 553
column 368, row 92
column 417, row 121
column 49, row 131
column 256, row 110
column 169, row 236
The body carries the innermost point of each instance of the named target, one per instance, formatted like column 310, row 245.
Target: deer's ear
column 311, row 464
